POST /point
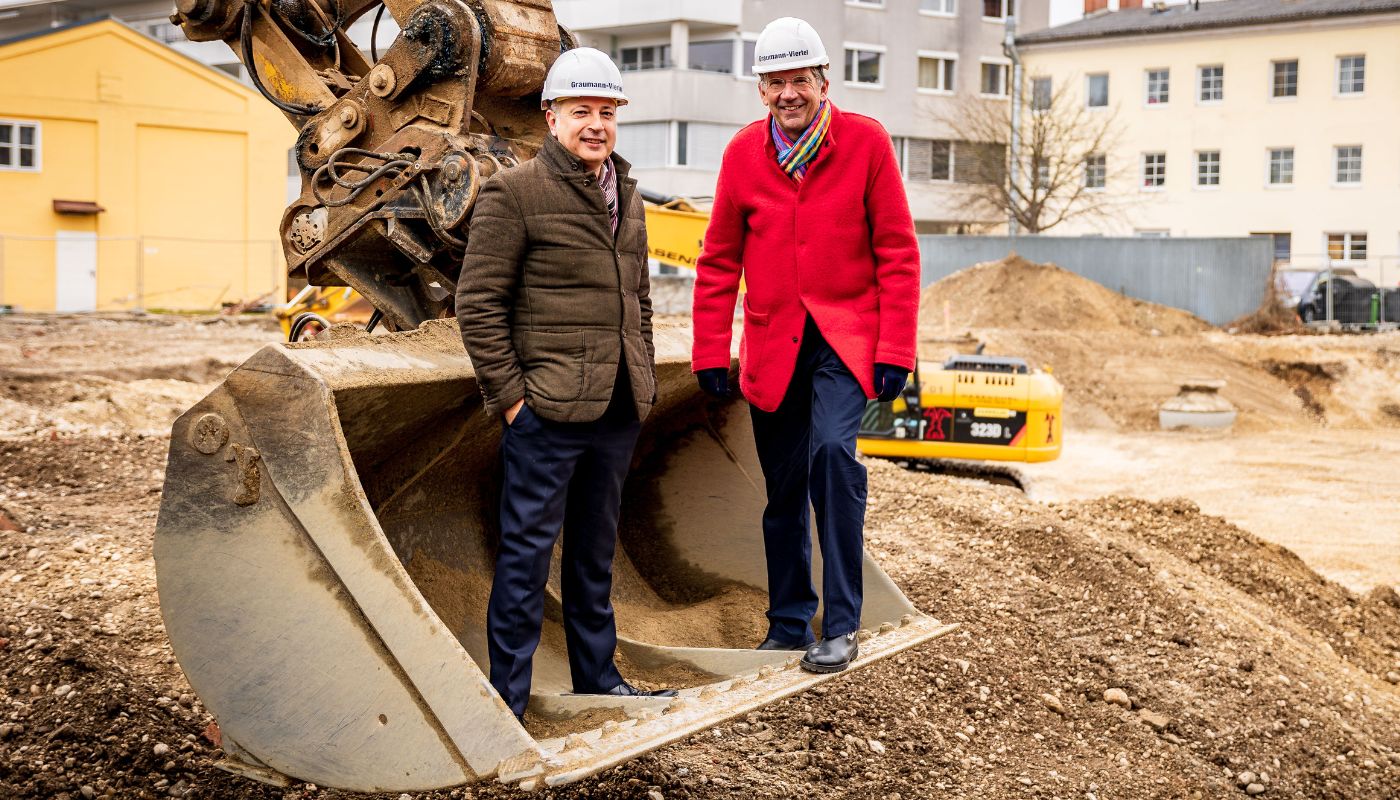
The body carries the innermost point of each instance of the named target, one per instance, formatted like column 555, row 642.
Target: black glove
column 714, row 382
column 889, row 381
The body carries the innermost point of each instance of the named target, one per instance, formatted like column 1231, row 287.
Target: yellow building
column 1244, row 117
column 133, row 177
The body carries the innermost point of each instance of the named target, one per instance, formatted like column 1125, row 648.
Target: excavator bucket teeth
column 324, row 555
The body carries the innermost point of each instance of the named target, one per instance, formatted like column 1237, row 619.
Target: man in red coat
column 811, row 213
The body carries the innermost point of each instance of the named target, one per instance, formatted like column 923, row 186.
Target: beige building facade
column 1242, row 117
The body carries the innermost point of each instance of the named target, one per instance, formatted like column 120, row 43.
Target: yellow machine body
column 972, row 407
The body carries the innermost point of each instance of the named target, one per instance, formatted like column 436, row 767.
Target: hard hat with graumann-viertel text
column 788, row 43
column 583, row 72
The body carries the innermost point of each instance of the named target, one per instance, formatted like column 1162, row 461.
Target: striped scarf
column 607, row 181
column 794, row 157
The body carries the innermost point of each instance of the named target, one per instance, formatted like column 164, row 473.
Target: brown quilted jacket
column 549, row 299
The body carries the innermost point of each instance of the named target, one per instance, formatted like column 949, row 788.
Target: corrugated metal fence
column 1218, row 280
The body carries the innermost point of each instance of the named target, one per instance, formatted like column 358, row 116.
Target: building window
column 1152, row 233
column 1346, row 246
column 701, row 144
column 1211, row 81
column 647, row 143
column 994, row 79
column 713, row 56
column 1286, row 78
column 1351, row 74
column 871, row 3
column 634, row 59
column 939, row 7
column 1098, row 90
column 20, row 146
column 1042, row 92
column 1283, row 246
column 1208, row 168
column 1347, row 160
column 1158, row 86
column 936, row 73
column 1095, row 171
column 928, row 159
column 1154, row 170
column 998, row 9
column 748, row 55
column 863, row 66
column 1280, row 166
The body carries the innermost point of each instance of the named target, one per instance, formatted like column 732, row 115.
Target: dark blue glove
column 714, row 382
column 889, row 381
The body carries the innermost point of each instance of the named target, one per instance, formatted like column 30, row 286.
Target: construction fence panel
column 1355, row 293
column 77, row 271
column 1217, row 279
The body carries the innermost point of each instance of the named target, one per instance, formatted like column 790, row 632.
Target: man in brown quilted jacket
column 554, row 307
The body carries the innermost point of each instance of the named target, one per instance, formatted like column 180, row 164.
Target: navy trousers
column 807, row 449
column 559, row 474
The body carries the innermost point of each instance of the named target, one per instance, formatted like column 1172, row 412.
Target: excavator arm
column 392, row 153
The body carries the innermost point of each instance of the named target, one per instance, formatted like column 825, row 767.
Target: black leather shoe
column 831, row 655
column 774, row 644
column 626, row 689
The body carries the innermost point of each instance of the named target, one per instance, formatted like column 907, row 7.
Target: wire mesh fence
column 77, row 272
column 1351, row 293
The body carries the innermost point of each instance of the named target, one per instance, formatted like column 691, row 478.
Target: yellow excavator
column 327, row 526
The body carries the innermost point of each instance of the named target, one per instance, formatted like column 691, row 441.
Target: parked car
column 1351, row 298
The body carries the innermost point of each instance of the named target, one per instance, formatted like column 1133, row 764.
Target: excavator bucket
column 324, row 555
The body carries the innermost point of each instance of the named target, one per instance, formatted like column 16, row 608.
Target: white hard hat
column 788, row 43
column 583, row 72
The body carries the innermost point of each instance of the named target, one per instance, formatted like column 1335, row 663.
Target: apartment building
column 908, row 63
column 1243, row 117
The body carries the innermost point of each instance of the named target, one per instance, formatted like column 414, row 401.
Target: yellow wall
column 189, row 164
column 1245, row 125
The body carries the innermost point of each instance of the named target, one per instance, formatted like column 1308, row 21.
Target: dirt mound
column 1016, row 293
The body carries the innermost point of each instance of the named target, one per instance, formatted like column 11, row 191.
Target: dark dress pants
column 559, row 474
column 807, row 449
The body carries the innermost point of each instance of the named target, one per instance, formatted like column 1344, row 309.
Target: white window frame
column 1208, row 187
column 670, row 64
column 1102, row 186
column 1337, row 182
column 872, row 4
column 942, row 14
column 1297, row 79
column 1269, row 167
column 1005, row 63
column 741, row 69
column 1001, row 19
column 1147, row 87
column 1049, row 101
column 946, row 56
column 37, row 147
column 1348, row 245
column 1142, row 172
column 1089, row 94
column 1200, row 77
column 878, row 49
column 1337, row 90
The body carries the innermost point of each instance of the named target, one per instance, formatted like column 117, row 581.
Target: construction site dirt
column 1154, row 615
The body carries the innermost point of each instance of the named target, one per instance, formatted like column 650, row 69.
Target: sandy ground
column 1240, row 666
column 1330, row 495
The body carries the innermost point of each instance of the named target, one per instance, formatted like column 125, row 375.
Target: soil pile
column 1016, row 293
column 1110, row 648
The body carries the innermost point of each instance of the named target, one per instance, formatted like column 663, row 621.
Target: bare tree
column 1069, row 163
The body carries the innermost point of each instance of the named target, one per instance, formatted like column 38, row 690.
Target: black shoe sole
column 825, row 668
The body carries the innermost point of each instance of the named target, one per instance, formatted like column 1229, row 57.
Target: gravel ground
column 1110, row 648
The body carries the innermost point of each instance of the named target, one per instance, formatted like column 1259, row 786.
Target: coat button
column 794, row 340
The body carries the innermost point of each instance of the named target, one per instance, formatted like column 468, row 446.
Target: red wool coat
column 840, row 246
